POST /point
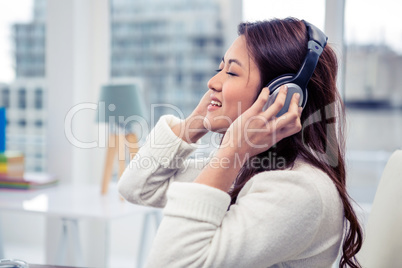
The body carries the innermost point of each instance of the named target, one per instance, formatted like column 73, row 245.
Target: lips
column 216, row 103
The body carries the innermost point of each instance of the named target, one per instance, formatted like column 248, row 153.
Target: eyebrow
column 231, row 61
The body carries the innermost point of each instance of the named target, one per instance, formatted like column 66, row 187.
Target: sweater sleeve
column 276, row 219
column 161, row 160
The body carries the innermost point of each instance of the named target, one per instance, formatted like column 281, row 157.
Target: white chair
column 382, row 246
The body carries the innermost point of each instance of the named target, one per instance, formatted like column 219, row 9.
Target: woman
column 273, row 194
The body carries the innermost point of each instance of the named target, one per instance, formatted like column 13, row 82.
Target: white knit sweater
column 290, row 218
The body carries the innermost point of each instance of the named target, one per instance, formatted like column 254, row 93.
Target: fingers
column 261, row 100
column 289, row 123
column 279, row 102
column 202, row 106
column 294, row 104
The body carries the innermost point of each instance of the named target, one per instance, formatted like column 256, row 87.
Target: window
column 198, row 77
column 22, row 102
column 5, row 98
column 373, row 90
column 38, row 123
column 38, row 99
column 218, row 41
column 38, row 169
column 11, row 13
column 200, row 42
column 22, row 123
column 179, row 78
column 374, row 58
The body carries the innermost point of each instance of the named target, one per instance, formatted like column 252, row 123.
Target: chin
column 219, row 127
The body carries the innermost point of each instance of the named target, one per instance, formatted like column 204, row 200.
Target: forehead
column 238, row 50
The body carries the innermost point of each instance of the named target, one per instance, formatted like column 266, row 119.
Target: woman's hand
column 201, row 109
column 251, row 133
column 192, row 128
column 256, row 131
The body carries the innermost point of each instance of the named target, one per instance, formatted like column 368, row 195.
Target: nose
column 215, row 83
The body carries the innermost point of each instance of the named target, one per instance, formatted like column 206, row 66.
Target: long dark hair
column 279, row 47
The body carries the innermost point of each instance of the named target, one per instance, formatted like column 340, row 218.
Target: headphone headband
column 315, row 34
column 317, row 42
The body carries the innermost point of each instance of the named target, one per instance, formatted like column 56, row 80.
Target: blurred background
column 55, row 55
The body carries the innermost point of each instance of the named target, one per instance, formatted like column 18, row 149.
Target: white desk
column 74, row 203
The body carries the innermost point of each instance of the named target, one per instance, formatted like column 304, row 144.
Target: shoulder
column 304, row 186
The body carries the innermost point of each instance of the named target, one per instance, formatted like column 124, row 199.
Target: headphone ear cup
column 276, row 83
column 292, row 89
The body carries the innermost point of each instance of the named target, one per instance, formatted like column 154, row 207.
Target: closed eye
column 231, row 74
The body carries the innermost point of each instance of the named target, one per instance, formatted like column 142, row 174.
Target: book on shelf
column 12, row 164
column 28, row 181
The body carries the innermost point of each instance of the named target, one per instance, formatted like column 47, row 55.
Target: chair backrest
column 382, row 246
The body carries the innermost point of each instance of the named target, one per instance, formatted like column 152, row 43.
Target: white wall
column 77, row 63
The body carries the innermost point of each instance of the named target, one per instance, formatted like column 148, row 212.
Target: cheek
column 239, row 100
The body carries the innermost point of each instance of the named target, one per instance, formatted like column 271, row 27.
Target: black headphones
column 297, row 83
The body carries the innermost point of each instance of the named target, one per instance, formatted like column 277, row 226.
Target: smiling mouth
column 216, row 103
